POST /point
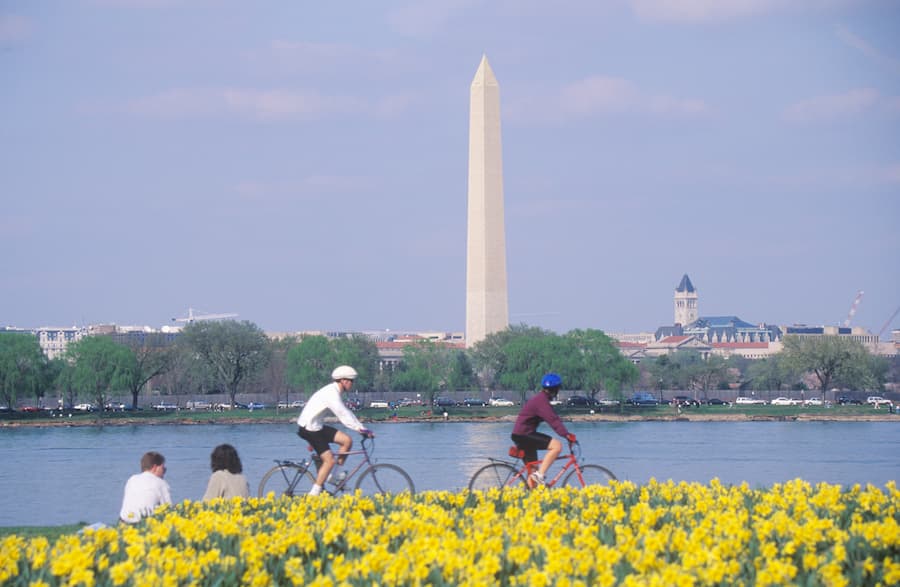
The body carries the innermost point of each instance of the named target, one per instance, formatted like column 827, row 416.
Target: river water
column 53, row 476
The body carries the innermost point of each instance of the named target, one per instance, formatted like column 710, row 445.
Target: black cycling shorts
column 319, row 439
column 531, row 443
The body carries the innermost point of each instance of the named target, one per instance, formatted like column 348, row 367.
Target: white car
column 378, row 404
column 814, row 401
column 84, row 407
column 785, row 401
column 750, row 401
column 877, row 400
column 501, row 402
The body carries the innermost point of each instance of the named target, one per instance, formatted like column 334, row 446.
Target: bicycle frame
column 300, row 468
column 523, row 472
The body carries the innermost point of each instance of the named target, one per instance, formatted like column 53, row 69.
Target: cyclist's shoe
column 535, row 479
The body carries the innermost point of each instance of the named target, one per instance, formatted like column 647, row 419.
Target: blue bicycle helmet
column 551, row 380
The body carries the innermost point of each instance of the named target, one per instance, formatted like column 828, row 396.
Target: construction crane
column 191, row 317
column 888, row 323
column 859, row 296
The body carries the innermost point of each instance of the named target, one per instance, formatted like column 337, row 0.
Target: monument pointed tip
column 484, row 74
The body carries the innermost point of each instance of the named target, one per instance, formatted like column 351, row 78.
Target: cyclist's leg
column 530, row 444
column 345, row 442
column 554, row 448
column 320, row 441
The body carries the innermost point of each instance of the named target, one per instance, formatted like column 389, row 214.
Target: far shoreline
column 437, row 419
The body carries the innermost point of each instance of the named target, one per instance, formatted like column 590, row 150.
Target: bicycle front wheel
column 384, row 478
column 590, row 475
column 289, row 480
column 493, row 475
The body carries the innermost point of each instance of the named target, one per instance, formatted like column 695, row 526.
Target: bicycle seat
column 516, row 452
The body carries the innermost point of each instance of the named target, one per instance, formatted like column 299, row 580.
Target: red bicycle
column 574, row 473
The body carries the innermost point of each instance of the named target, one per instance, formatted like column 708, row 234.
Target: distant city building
column 855, row 333
column 53, row 340
column 686, row 299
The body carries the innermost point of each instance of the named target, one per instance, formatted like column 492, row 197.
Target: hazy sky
column 303, row 164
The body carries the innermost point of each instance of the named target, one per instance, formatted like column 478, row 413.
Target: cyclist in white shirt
column 321, row 436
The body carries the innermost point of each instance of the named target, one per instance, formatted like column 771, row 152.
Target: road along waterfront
column 66, row 475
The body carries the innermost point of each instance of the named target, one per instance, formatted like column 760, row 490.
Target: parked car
column 165, row 407
column 608, row 402
column 406, row 402
column 750, row 401
column 353, row 403
column 643, row 398
column 579, row 401
column 714, row 401
column 378, row 404
column 849, row 401
column 877, row 400
column 256, row 406
column 683, row 400
column 471, row 402
column 784, row 401
column 198, row 405
column 501, row 402
column 444, row 402
column 85, row 407
column 814, row 401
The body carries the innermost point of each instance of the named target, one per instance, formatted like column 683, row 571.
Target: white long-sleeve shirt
column 326, row 399
column 143, row 492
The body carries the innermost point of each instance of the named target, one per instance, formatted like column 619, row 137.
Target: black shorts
column 531, row 443
column 319, row 439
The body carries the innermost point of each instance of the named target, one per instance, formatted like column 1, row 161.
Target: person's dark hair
column 151, row 459
column 225, row 457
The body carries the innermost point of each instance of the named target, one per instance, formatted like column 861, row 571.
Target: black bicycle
column 293, row 478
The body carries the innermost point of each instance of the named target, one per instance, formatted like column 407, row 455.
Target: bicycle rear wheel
column 494, row 475
column 287, row 480
column 384, row 478
column 591, row 474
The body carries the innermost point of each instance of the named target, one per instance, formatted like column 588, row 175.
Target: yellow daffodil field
column 625, row 534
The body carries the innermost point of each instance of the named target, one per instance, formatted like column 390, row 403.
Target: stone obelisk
column 486, row 292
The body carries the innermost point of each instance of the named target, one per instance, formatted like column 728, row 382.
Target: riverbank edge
column 683, row 417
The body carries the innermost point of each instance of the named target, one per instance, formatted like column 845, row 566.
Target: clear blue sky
column 303, row 164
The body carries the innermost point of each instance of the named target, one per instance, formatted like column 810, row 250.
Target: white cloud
column 867, row 49
column 423, row 18
column 14, row 28
column 834, row 106
column 264, row 105
column 701, row 10
column 598, row 95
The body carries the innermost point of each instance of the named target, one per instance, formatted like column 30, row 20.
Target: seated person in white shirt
column 145, row 490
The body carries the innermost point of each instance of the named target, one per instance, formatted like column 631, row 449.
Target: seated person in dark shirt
column 526, row 436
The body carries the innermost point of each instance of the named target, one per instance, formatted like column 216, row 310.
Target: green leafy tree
column 360, row 353
column 233, row 352
column 424, row 368
column 709, row 373
column 22, row 367
column 100, row 366
column 274, row 377
column 489, row 357
column 831, row 359
column 770, row 374
column 309, row 363
column 460, row 374
column 601, row 365
column 153, row 356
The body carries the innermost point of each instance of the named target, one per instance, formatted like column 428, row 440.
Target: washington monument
column 486, row 292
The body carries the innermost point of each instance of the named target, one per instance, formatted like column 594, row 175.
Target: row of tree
column 233, row 357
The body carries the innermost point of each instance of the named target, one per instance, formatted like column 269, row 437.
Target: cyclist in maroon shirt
column 526, row 436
